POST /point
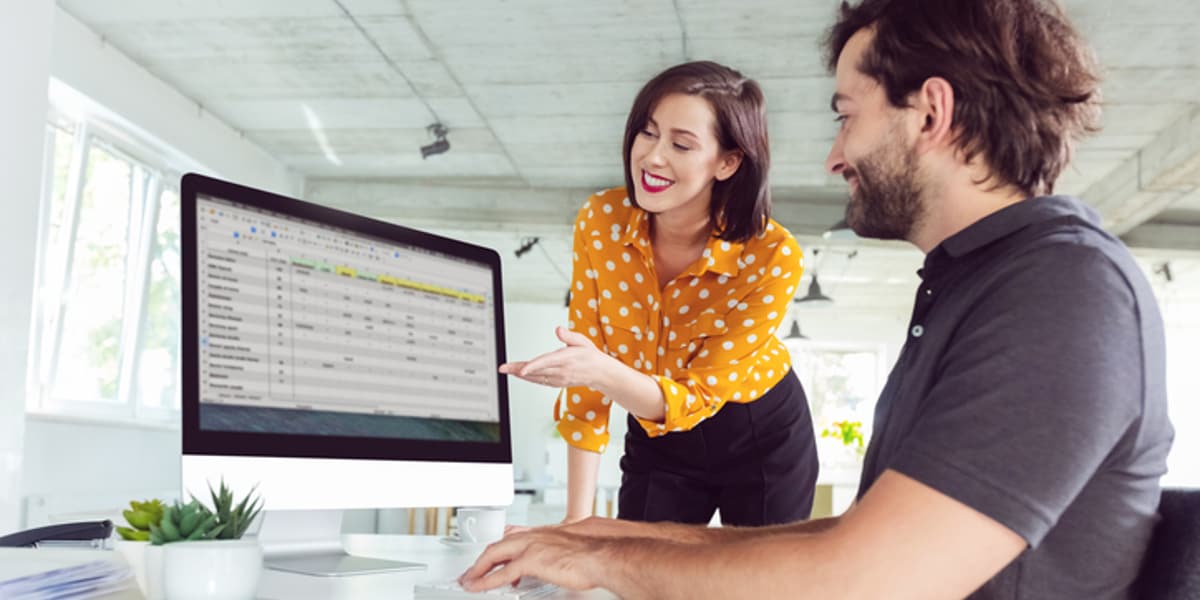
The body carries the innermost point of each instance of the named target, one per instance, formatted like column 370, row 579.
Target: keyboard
column 525, row 589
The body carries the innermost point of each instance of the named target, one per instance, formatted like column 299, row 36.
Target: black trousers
column 756, row 462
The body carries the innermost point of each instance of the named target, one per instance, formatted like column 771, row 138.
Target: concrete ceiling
column 535, row 94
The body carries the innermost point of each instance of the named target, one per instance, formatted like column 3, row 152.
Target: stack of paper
column 84, row 580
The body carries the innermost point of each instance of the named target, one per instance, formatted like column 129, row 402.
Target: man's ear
column 730, row 162
column 934, row 103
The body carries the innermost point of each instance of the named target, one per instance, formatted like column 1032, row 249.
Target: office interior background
column 107, row 103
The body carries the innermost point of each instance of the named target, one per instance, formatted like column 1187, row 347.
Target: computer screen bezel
column 196, row 441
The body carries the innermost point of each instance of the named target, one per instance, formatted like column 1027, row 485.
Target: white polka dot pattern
column 705, row 338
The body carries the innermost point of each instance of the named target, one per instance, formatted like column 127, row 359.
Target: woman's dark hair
column 1025, row 84
column 741, row 204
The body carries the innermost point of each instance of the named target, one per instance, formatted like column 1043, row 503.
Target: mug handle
column 465, row 532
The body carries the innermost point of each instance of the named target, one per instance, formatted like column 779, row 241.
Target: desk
column 445, row 563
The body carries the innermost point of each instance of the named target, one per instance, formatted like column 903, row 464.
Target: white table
column 445, row 563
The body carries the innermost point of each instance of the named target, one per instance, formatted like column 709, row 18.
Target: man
column 1019, row 440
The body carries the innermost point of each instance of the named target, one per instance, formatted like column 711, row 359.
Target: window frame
column 151, row 180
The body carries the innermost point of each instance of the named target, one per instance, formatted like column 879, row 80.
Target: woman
column 680, row 282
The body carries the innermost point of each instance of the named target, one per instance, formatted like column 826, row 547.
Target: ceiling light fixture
column 527, row 244
column 795, row 334
column 439, row 145
column 814, row 297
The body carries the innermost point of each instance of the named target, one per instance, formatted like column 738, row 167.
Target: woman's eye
column 648, row 133
column 841, row 119
column 681, row 147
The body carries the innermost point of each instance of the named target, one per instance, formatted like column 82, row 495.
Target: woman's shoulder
column 777, row 239
column 605, row 207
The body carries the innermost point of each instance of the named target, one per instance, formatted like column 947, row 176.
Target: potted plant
column 134, row 545
column 853, row 445
column 204, row 553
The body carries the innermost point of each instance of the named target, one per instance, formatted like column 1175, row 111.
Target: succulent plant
column 185, row 523
column 235, row 519
column 141, row 515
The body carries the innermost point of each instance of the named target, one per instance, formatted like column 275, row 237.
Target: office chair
column 1171, row 569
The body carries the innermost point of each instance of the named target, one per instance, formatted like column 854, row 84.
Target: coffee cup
column 480, row 524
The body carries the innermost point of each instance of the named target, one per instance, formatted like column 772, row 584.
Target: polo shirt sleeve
column 736, row 356
column 581, row 412
column 1039, row 384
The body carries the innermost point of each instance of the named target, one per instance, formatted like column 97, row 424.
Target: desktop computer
column 335, row 362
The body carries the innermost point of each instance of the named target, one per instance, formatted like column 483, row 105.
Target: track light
column 814, row 297
column 440, row 145
column 795, row 334
column 814, row 294
column 527, row 244
column 1164, row 269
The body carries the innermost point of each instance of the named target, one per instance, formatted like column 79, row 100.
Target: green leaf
column 156, row 536
column 187, row 525
column 133, row 535
column 170, row 529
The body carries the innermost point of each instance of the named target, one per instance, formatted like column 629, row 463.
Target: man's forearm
column 693, row 534
column 782, row 565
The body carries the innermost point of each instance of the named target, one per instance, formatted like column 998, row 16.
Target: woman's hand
column 580, row 363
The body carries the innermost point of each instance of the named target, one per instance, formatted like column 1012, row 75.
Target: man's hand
column 579, row 364
column 567, row 560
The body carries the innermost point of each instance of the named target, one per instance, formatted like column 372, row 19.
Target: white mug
column 480, row 524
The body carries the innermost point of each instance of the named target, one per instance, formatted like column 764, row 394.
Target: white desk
column 445, row 563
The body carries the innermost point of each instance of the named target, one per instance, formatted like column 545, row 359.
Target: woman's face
column 676, row 158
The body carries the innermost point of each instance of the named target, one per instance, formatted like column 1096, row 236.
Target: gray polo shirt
column 1032, row 388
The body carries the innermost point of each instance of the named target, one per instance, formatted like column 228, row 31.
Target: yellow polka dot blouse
column 708, row 337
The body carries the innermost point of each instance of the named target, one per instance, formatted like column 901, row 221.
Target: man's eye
column 841, row 119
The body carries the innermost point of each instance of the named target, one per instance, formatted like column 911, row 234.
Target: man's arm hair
column 903, row 540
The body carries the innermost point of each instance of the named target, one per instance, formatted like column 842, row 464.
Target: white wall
column 84, row 467
column 25, row 65
column 1183, row 391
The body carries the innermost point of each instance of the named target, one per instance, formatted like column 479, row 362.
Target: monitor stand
column 310, row 542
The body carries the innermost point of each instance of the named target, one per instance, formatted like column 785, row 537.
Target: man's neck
column 954, row 208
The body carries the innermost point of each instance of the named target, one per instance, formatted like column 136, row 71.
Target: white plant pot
column 154, row 573
column 134, row 555
column 212, row 570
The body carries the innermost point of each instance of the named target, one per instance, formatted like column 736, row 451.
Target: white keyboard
column 525, row 589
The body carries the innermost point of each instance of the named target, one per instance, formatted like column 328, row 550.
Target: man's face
column 873, row 153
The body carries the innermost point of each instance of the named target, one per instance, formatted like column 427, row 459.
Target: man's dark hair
column 1025, row 84
column 741, row 204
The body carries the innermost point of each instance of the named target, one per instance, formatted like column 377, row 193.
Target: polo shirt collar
column 1007, row 221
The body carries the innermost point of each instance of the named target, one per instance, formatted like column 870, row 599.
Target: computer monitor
column 336, row 361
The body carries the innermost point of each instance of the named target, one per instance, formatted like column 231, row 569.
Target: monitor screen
column 317, row 335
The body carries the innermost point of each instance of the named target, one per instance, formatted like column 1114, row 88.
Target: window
column 842, row 382
column 106, row 334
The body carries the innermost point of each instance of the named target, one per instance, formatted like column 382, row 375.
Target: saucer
column 455, row 542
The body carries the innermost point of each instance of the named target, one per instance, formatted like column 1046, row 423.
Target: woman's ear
column 730, row 161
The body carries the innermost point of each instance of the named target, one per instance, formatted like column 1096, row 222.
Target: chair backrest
column 1172, row 565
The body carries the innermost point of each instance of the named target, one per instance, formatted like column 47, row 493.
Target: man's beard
column 887, row 202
